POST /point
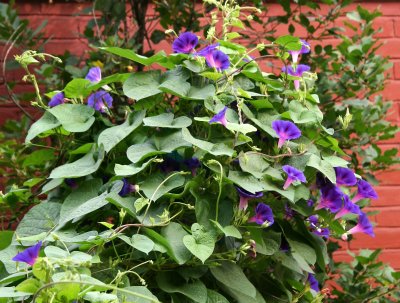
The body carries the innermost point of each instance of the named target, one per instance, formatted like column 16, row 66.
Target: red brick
column 397, row 28
column 389, row 177
column 393, row 113
column 63, row 27
column 59, row 47
column 385, row 25
column 342, row 256
column 390, row 48
column 65, row 8
column 391, row 256
column 387, row 196
column 389, row 216
column 396, row 69
column 384, row 237
column 392, row 90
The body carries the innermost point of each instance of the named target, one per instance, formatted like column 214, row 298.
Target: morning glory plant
column 147, row 200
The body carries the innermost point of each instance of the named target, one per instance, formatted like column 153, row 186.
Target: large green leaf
column 174, row 82
column 41, row 218
column 113, row 135
column 45, row 123
column 166, row 120
column 246, row 181
column 155, row 186
column 77, row 89
column 141, row 85
column 141, row 290
column 11, row 292
column 172, row 283
column 74, row 118
column 142, row 243
column 289, row 42
column 174, row 234
column 86, row 165
column 171, row 239
column 232, row 276
column 201, row 243
column 214, row 297
column 131, row 55
column 253, row 163
column 130, row 169
column 218, row 149
column 324, row 166
column 156, row 146
column 82, row 201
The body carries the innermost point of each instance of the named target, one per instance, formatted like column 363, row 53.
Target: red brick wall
column 64, row 27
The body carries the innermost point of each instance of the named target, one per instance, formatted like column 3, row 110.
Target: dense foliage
column 200, row 178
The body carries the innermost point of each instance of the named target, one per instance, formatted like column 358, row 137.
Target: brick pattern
column 64, row 26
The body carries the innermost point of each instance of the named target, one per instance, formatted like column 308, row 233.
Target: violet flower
column 57, row 99
column 363, row 226
column 349, row 207
column 94, row 75
column 193, row 164
column 305, row 48
column 185, row 43
column 263, row 215
column 297, row 72
column 365, row 191
column 331, row 198
column 214, row 57
column 313, row 282
column 29, row 255
column 100, row 100
column 323, row 232
column 293, row 174
column 127, row 188
column 245, row 196
column 289, row 212
column 345, row 176
column 220, row 117
column 286, row 130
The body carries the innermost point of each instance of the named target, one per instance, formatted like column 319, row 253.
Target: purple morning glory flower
column 220, row 117
column 322, row 232
column 100, row 100
column 365, row 191
column 127, row 188
column 297, row 72
column 331, row 198
column 185, row 43
column 263, row 216
column 94, row 75
column 57, row 99
column 286, row 130
column 193, row 164
column 218, row 60
column 29, row 255
column 345, row 176
column 207, row 50
column 305, row 48
column 214, row 57
column 313, row 282
column 363, row 226
column 349, row 207
column 245, row 196
column 293, row 174
column 289, row 213
column 313, row 219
